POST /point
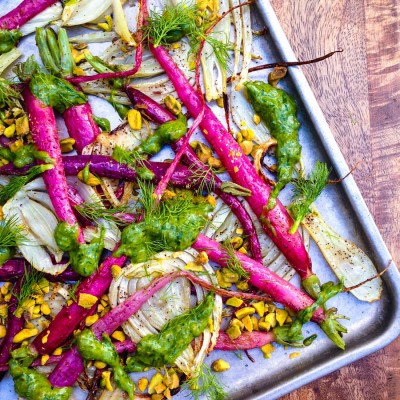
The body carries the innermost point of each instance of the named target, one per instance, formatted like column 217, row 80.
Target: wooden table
column 359, row 92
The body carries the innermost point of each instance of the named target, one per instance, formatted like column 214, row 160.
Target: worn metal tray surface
column 371, row 326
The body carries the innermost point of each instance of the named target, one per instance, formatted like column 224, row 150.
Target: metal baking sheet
column 371, row 326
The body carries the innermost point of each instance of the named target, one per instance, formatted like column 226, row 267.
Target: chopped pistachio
column 211, row 200
column 254, row 321
column 87, row 300
column 91, row 319
column 234, row 302
column 155, row 380
column 271, row 319
column 135, row 119
column 281, row 316
column 191, row 266
column 248, row 323
column 247, row 146
column 214, row 163
column 116, row 271
column 242, row 285
column 9, row 131
column 233, row 332
column 159, row 388
column 243, row 312
column 100, row 364
column 58, row 351
column 25, row 334
column 237, row 322
column 106, row 380
column 118, row 335
column 229, row 275
column 256, row 119
column 3, row 311
column 271, row 308
column 3, row 331
column 173, row 105
column 45, row 309
column 236, row 242
column 67, row 145
column 221, row 280
column 220, row 365
column 201, row 258
column 267, row 349
column 22, row 125
column 260, row 308
column 247, row 134
column 16, row 145
column 142, row 384
column 264, row 326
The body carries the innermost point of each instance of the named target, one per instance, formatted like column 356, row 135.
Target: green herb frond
column 178, row 20
column 220, row 47
column 30, row 285
column 146, row 198
column 167, row 208
column 305, row 192
column 204, row 179
column 205, row 384
column 130, row 157
column 26, row 69
column 55, row 92
column 11, row 232
column 16, row 183
column 9, row 96
column 159, row 26
column 95, row 209
column 72, row 291
column 173, row 208
column 154, row 247
column 232, row 262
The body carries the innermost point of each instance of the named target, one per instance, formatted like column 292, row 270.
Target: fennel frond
column 11, row 233
column 205, row 383
column 232, row 262
column 306, row 191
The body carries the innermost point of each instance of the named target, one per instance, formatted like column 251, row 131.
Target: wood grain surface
column 359, row 92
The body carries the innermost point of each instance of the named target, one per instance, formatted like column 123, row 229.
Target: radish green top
column 8, row 39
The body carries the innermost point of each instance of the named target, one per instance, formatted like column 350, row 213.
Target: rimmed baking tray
column 371, row 326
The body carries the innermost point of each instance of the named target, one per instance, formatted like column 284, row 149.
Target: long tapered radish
column 81, row 126
column 276, row 222
column 44, row 134
column 280, row 290
column 24, row 12
column 262, row 278
column 246, row 341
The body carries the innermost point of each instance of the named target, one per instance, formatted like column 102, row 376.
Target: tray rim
column 362, row 213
